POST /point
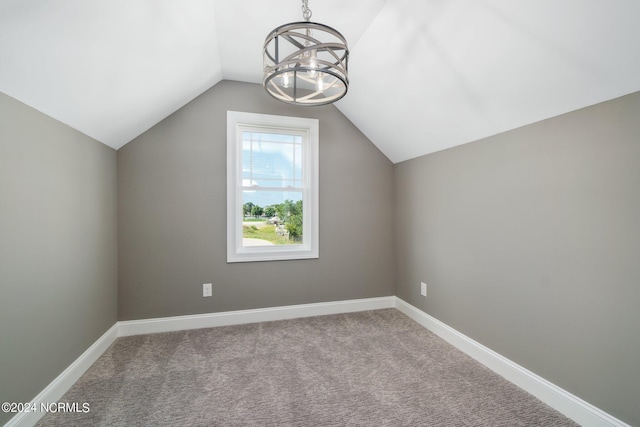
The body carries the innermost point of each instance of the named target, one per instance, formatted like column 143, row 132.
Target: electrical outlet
column 423, row 289
column 206, row 290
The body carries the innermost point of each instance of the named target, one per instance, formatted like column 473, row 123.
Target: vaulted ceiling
column 425, row 75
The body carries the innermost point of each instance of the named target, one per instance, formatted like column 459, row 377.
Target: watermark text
column 46, row 407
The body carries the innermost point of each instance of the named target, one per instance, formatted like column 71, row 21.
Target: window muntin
column 272, row 179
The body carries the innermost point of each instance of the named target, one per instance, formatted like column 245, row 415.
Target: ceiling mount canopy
column 306, row 63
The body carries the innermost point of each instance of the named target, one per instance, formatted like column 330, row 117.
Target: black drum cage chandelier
column 306, row 63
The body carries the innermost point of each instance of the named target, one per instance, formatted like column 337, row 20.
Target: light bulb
column 320, row 84
column 310, row 57
column 312, row 64
column 286, row 80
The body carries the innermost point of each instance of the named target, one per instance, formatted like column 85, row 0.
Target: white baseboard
column 63, row 382
column 198, row 321
column 561, row 400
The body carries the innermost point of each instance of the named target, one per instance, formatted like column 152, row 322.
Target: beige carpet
column 374, row 368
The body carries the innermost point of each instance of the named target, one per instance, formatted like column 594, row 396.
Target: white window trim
column 236, row 252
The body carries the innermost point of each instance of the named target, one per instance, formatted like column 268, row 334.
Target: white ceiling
column 425, row 75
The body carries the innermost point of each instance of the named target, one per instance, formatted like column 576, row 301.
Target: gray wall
column 172, row 216
column 529, row 240
column 530, row 244
column 58, row 243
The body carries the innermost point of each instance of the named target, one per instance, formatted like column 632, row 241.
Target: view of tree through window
column 272, row 188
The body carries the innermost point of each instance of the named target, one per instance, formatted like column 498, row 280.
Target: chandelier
column 305, row 63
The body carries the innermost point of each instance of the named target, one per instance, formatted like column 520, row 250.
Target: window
column 272, row 187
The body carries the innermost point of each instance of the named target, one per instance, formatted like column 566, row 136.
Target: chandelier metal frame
column 306, row 63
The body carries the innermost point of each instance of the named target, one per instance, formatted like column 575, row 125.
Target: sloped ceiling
column 425, row 75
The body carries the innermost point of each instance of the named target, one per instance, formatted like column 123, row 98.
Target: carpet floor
column 373, row 368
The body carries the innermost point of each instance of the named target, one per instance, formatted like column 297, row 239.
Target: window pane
column 271, row 160
column 271, row 218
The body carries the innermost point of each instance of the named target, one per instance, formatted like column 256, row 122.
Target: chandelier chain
column 306, row 12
